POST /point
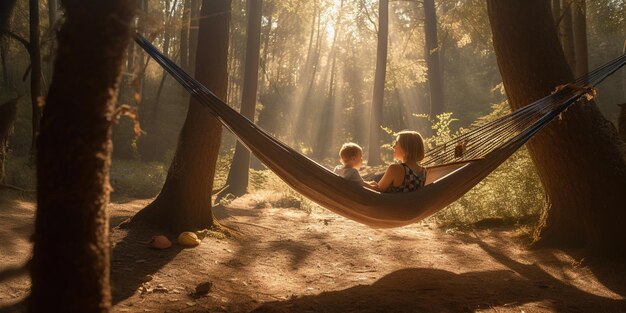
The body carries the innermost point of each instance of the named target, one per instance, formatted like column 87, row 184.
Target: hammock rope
column 485, row 148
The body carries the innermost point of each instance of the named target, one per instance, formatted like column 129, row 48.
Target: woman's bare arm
column 390, row 176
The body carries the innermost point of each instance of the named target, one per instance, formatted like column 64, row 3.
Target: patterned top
column 411, row 181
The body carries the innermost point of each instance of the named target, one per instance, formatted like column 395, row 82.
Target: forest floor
column 288, row 260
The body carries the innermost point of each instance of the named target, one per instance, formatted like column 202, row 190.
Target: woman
column 408, row 175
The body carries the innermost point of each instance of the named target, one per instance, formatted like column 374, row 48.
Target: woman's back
column 411, row 180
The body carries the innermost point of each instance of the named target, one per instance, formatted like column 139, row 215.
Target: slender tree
column 184, row 203
column 6, row 9
column 577, row 158
column 433, row 61
column 556, row 11
column 35, row 71
column 237, row 180
column 184, row 35
column 193, row 33
column 567, row 33
column 70, row 265
column 579, row 22
column 8, row 112
column 378, row 97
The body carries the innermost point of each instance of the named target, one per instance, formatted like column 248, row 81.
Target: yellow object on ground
column 188, row 239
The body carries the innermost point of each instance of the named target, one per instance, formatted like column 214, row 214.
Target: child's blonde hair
column 349, row 150
column 412, row 144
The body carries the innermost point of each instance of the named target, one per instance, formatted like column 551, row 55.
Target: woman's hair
column 412, row 144
column 349, row 150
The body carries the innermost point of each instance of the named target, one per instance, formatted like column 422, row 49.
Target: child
column 351, row 155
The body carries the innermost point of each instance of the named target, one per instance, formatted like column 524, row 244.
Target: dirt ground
column 290, row 261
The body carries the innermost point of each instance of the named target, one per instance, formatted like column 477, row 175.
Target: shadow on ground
column 132, row 261
column 433, row 290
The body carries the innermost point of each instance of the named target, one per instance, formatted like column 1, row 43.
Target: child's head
column 351, row 154
column 409, row 146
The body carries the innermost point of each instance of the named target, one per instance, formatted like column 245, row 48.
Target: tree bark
column 378, row 97
column 70, row 265
column 184, row 203
column 35, row 72
column 237, row 180
column 435, row 79
column 577, row 158
column 579, row 21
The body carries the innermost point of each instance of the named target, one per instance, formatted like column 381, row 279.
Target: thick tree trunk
column 237, row 180
column 579, row 22
column 577, row 158
column 184, row 203
column 70, row 265
column 435, row 79
column 378, row 97
column 35, row 72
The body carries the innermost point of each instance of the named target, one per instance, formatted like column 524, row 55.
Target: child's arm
column 369, row 184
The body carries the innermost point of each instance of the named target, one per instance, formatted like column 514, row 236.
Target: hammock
column 450, row 174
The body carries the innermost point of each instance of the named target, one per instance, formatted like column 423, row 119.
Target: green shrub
column 512, row 192
column 20, row 172
column 136, row 178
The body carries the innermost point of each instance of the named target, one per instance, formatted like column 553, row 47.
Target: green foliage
column 511, row 192
column 138, row 179
column 20, row 172
column 282, row 196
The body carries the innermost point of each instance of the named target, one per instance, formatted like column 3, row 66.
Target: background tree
column 581, row 211
column 567, row 32
column 8, row 111
column 6, row 9
column 435, row 82
column 237, row 180
column 35, row 71
column 579, row 28
column 379, row 84
column 184, row 203
column 71, row 239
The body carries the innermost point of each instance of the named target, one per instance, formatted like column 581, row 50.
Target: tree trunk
column 35, row 72
column 70, row 265
column 579, row 21
column 556, row 12
column 184, row 203
column 184, row 35
column 577, row 158
column 435, row 79
column 237, row 180
column 567, row 34
column 193, row 34
column 6, row 9
column 378, row 97
column 8, row 112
